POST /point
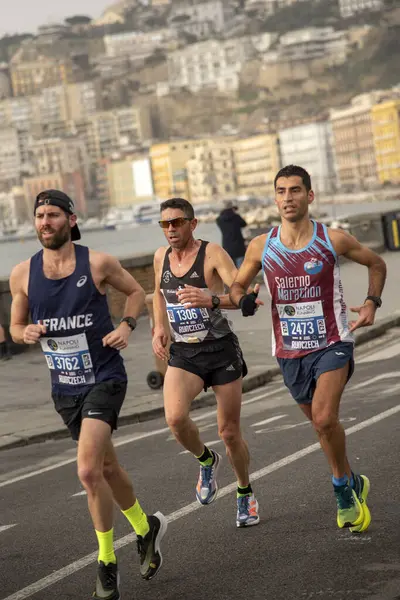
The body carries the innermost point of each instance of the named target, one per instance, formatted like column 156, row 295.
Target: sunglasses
column 178, row 222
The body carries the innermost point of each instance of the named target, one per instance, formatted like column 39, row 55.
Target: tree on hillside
column 78, row 20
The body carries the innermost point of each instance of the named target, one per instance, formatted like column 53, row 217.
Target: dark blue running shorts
column 300, row 375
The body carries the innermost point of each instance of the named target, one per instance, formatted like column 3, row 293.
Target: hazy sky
column 26, row 15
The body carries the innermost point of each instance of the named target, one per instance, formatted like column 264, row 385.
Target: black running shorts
column 101, row 401
column 216, row 362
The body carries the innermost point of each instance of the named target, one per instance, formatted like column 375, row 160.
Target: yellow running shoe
column 350, row 510
column 361, row 488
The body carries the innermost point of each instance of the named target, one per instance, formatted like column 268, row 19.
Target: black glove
column 248, row 304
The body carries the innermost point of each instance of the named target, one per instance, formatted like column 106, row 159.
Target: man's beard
column 58, row 240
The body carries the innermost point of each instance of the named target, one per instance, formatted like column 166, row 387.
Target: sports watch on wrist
column 376, row 300
column 216, row 301
column 130, row 321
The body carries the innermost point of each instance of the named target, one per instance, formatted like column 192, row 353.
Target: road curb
column 251, row 382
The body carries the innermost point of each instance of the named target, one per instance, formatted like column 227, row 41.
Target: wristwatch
column 216, row 301
column 376, row 300
column 131, row 322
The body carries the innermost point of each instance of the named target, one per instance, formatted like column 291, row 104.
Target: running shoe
column 361, row 488
column 149, row 546
column 107, row 583
column 350, row 511
column 207, row 487
column 247, row 511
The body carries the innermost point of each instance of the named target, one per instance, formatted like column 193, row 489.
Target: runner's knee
column 325, row 423
column 230, row 434
column 177, row 421
column 90, row 474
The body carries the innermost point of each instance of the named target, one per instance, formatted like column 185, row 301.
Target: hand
column 118, row 338
column 160, row 341
column 32, row 333
column 366, row 315
column 193, row 297
column 250, row 302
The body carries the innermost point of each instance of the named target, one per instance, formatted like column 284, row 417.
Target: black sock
column 244, row 491
column 205, row 456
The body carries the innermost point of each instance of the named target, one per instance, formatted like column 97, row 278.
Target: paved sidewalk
column 26, row 407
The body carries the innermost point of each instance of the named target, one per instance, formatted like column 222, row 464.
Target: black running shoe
column 107, row 584
column 149, row 546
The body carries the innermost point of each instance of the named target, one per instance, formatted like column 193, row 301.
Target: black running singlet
column 191, row 325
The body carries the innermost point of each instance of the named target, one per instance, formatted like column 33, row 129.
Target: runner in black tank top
column 62, row 289
column 189, row 285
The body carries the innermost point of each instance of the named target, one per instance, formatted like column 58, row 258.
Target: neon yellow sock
column 137, row 518
column 106, row 546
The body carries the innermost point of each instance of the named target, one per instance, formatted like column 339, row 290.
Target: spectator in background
column 4, row 353
column 231, row 225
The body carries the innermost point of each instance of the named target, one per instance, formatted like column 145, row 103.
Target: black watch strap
column 216, row 301
column 130, row 321
column 376, row 300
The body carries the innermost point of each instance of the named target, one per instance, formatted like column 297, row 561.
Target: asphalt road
column 48, row 548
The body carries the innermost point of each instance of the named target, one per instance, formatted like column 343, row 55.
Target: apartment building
column 105, row 132
column 349, row 8
column 210, row 64
column 386, row 131
column 211, row 172
column 256, row 160
column 201, row 18
column 129, row 181
column 138, row 43
column 10, row 158
column 310, row 146
column 32, row 69
column 71, row 183
column 314, row 42
column 168, row 165
column 60, row 155
column 353, row 143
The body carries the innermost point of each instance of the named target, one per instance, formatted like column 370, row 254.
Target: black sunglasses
column 177, row 222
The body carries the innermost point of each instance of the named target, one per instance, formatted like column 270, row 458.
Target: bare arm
column 348, row 246
column 112, row 273
column 160, row 336
column 19, row 305
column 159, row 306
column 118, row 278
column 248, row 270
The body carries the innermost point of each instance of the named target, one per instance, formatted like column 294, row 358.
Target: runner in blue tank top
column 62, row 290
column 189, row 286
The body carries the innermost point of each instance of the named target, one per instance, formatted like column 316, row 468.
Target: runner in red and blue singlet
column 311, row 338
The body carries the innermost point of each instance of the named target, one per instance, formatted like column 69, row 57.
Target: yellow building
column 211, row 173
column 386, row 130
column 168, row 164
column 256, row 164
column 32, row 70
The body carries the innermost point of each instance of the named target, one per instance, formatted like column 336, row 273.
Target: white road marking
column 212, row 443
column 282, row 427
column 382, row 354
column 122, row 442
column 5, row 527
column 83, row 493
column 363, row 384
column 83, row 562
column 270, row 420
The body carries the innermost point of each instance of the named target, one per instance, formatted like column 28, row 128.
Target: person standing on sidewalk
column 62, row 289
column 311, row 337
column 189, row 281
column 231, row 224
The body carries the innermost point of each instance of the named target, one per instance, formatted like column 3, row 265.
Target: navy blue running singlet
column 77, row 318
